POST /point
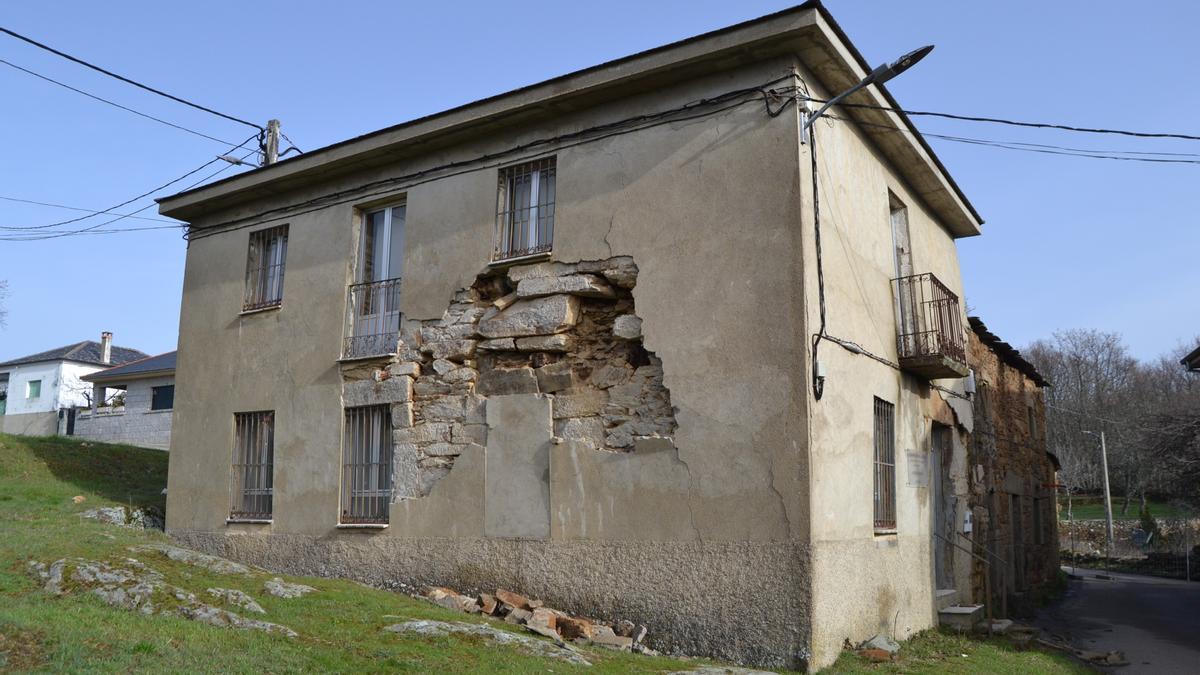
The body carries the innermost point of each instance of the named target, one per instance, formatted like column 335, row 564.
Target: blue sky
column 1069, row 242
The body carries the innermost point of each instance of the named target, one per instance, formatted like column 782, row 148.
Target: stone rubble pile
column 559, row 626
column 133, row 586
column 566, row 331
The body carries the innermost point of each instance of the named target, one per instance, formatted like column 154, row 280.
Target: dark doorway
column 943, row 502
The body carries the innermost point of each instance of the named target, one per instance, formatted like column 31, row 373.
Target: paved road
column 1156, row 622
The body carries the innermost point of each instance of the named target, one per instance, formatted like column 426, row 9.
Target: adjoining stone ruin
column 564, row 330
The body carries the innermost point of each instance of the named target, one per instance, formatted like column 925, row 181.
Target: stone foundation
column 744, row 602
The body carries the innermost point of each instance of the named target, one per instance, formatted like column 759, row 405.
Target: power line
column 683, row 113
column 1041, row 148
column 114, row 104
column 122, row 78
column 93, row 229
column 1015, row 123
column 28, row 234
column 74, row 208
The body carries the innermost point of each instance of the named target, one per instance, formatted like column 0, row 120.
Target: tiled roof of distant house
column 87, row 351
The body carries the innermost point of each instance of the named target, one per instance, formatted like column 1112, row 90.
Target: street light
column 1108, row 516
column 878, row 76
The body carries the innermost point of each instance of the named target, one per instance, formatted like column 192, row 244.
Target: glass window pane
column 396, row 254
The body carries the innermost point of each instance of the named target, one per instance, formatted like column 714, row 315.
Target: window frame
column 364, row 462
column 253, row 439
column 154, row 397
column 533, row 235
column 29, row 387
column 884, row 443
column 264, row 289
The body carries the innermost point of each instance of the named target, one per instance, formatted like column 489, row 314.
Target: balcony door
column 376, row 296
column 906, row 305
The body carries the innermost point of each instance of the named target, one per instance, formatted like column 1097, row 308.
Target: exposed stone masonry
column 563, row 330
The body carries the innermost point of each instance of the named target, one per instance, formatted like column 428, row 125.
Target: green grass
column 937, row 652
column 1092, row 508
column 340, row 626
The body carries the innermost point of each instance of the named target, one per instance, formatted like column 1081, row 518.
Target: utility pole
column 1107, row 494
column 271, row 143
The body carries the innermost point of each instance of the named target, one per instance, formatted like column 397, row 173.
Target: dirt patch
column 20, row 649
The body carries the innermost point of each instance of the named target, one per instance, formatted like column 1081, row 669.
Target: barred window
column 253, row 465
column 264, row 268
column 525, row 210
column 367, row 465
column 885, row 466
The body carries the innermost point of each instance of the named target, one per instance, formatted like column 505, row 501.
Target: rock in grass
column 526, row 644
column 232, row 596
column 283, row 589
column 209, row 562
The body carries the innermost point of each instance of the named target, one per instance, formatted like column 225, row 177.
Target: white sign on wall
column 918, row 468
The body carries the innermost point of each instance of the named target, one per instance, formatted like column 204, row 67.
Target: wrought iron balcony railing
column 930, row 338
column 373, row 327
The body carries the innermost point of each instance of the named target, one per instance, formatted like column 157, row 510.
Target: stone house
column 140, row 414
column 572, row 340
column 1013, row 476
column 39, row 392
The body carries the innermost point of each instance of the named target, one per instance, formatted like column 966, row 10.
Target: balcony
column 929, row 336
column 373, row 326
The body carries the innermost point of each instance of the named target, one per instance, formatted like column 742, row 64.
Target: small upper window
column 162, row 398
column 525, row 210
column 33, row 389
column 264, row 268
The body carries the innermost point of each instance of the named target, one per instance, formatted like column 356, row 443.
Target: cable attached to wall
column 818, row 381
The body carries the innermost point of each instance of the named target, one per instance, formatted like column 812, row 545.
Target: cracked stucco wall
column 653, row 530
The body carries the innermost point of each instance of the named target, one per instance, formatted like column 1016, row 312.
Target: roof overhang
column 807, row 32
column 1192, row 360
column 100, row 378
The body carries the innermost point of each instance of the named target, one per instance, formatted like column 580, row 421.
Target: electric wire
column 114, row 104
column 731, row 99
column 93, row 230
column 1016, row 123
column 40, row 231
column 76, row 208
column 122, row 78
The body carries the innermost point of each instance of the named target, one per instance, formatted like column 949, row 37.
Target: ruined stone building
column 1012, row 476
column 572, row 340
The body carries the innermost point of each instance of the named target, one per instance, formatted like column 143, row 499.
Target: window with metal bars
column 264, row 268
column 525, row 210
column 885, row 466
column 367, row 465
column 253, row 465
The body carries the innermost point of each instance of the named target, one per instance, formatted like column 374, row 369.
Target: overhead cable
column 122, row 78
column 114, row 104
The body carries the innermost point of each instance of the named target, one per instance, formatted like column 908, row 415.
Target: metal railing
column 930, row 322
column 373, row 327
column 525, row 210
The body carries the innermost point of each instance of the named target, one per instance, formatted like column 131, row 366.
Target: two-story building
column 583, row 340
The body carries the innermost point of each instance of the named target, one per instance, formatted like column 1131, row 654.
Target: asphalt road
column 1156, row 622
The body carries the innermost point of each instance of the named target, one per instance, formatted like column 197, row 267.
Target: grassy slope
column 340, row 626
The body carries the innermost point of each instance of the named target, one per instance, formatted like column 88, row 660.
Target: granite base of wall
column 30, row 424
column 745, row 602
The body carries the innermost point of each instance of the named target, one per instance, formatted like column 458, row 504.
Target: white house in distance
column 142, row 414
column 35, row 388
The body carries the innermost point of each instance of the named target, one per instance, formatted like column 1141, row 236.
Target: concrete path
column 1156, row 622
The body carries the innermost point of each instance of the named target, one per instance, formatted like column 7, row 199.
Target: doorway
column 943, row 505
